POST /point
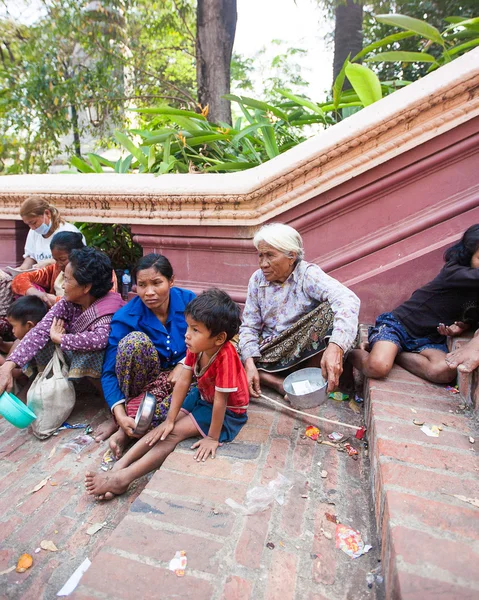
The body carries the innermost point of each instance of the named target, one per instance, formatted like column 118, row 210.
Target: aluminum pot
column 145, row 413
column 311, row 400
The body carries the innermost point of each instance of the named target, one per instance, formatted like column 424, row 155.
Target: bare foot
column 118, row 442
column 105, row 429
column 466, row 358
column 274, row 382
column 105, row 486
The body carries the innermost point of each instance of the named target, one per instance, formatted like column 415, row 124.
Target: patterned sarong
column 138, row 370
column 306, row 338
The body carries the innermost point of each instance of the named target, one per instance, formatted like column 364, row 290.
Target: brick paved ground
column 430, row 539
column 183, row 508
column 60, row 511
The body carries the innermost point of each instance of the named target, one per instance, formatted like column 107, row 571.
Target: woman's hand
column 332, row 365
column 57, row 331
column 49, row 299
column 453, row 330
column 174, row 375
column 253, row 378
column 159, row 433
column 128, row 425
column 6, row 376
column 206, row 446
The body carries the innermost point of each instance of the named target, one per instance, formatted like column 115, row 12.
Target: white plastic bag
column 51, row 396
column 260, row 497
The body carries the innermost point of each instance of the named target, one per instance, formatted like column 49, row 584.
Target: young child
column 413, row 334
column 216, row 408
column 22, row 315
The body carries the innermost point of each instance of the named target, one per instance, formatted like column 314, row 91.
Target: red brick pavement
column 430, row 539
column 183, row 508
column 60, row 511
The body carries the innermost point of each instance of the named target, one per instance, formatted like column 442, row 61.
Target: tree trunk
column 215, row 34
column 348, row 34
column 76, row 131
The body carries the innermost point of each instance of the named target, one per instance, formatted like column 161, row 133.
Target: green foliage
column 115, row 240
column 178, row 140
column 431, row 11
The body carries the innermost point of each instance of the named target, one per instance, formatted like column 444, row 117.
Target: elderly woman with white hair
column 295, row 315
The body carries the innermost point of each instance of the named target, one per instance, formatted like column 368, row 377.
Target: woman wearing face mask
column 44, row 221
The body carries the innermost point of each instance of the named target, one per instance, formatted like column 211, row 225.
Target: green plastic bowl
column 15, row 411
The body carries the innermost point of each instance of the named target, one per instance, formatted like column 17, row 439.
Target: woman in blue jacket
column 145, row 347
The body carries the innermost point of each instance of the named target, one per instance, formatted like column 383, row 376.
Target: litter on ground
column 350, row 541
column 178, row 563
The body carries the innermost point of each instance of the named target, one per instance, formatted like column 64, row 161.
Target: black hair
column 28, row 308
column 67, row 240
column 462, row 252
column 159, row 262
column 90, row 266
column 217, row 311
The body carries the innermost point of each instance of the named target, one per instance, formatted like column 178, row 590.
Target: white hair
column 281, row 237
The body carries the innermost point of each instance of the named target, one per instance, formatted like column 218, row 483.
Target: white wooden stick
column 300, row 412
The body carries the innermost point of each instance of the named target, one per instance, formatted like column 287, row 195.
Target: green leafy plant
column 180, row 141
column 114, row 240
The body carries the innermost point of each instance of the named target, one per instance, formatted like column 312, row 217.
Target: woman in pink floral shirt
column 295, row 315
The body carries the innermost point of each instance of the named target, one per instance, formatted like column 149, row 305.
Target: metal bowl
column 311, row 400
column 145, row 413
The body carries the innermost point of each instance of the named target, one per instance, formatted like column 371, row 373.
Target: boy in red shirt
column 216, row 407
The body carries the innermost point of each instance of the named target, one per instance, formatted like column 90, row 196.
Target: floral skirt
column 306, row 338
column 138, row 370
column 81, row 364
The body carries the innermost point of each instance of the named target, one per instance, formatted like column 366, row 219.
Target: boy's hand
column 453, row 330
column 159, row 433
column 206, row 446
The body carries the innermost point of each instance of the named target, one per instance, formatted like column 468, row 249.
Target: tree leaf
column 125, row 141
column 302, row 101
column 400, row 56
column 95, row 163
column 365, row 83
column 412, row 24
column 166, row 110
column 461, row 47
column 81, row 165
column 258, row 104
column 390, row 39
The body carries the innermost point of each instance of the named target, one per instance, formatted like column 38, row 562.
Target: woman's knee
column 378, row 367
column 134, row 341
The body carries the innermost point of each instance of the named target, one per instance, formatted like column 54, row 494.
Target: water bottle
column 125, row 284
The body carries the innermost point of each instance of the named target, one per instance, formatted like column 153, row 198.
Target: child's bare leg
column 105, row 485
column 377, row 363
column 430, row 364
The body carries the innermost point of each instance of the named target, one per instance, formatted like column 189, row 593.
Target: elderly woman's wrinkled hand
column 253, row 378
column 332, row 365
column 6, row 377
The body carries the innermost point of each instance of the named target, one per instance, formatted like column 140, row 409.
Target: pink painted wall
column 382, row 233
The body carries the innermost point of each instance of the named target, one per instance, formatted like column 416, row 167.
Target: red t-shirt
column 224, row 373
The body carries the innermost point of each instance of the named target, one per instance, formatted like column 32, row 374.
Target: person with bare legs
column 215, row 408
column 145, row 347
column 414, row 334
